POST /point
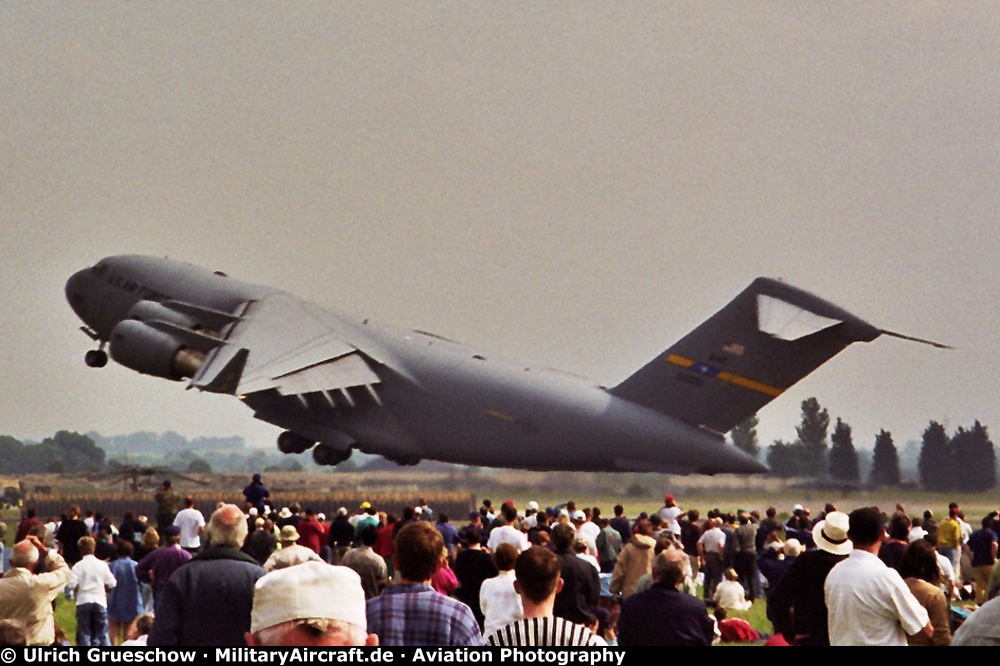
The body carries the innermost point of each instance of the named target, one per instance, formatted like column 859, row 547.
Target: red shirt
column 312, row 534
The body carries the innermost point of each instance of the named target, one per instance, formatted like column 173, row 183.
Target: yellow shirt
column 949, row 534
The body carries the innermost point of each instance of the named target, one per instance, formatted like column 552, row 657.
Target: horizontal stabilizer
column 750, row 352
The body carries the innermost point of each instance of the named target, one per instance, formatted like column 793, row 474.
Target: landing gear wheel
column 96, row 358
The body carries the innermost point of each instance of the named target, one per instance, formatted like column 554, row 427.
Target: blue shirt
column 416, row 615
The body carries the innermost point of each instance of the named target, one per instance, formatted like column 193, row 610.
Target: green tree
column 67, row 451
column 843, row 455
column 784, row 459
column 973, row 459
column 199, row 465
column 934, row 465
column 744, row 436
column 885, row 461
column 812, row 436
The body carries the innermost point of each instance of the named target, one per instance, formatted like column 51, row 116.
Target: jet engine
column 152, row 352
column 147, row 311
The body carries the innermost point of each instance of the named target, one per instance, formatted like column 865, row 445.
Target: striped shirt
column 544, row 631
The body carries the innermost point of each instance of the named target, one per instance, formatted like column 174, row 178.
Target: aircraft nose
column 75, row 293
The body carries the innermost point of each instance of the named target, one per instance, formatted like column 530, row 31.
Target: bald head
column 24, row 555
column 227, row 528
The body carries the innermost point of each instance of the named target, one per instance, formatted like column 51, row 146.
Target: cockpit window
column 99, row 270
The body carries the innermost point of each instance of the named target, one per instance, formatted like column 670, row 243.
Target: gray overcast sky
column 572, row 184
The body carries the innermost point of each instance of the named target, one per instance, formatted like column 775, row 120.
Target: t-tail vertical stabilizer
column 744, row 356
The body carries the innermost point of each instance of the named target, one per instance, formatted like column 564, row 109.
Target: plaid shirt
column 417, row 615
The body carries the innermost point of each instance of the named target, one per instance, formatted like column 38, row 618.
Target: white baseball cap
column 309, row 590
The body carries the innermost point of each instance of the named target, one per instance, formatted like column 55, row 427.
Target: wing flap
column 333, row 374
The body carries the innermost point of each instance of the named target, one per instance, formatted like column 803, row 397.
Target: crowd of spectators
column 259, row 575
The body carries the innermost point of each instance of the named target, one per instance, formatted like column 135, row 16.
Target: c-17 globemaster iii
column 334, row 383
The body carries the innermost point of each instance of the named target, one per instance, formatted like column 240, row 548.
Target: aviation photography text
column 281, row 657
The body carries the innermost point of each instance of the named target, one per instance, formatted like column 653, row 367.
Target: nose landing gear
column 96, row 358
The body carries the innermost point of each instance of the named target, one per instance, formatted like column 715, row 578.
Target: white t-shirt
column 92, row 579
column 500, row 604
column 869, row 604
column 508, row 534
column 190, row 522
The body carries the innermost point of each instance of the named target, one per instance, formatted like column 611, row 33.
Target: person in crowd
column 983, row 549
column 538, row 581
column 609, row 545
column 207, row 601
column 30, row 597
column 131, row 530
column 444, row 579
column 868, row 603
column 770, row 525
column 312, row 532
column 745, row 562
column 663, row 615
column 472, row 566
column 411, row 613
column 369, row 565
column 125, row 599
column 734, row 629
column 449, row 533
column 711, row 550
column 340, row 536
column 311, row 604
column 139, row 634
column 257, row 494
column 385, row 545
column 90, row 579
column 69, row 533
column 499, row 601
column 581, row 588
column 168, row 502
column 669, row 514
column 894, row 547
column 635, row 561
column 156, row 568
column 148, row 542
column 949, row 536
column 797, row 605
column 191, row 523
column 730, row 593
column 262, row 542
column 291, row 552
column 920, row 572
column 508, row 532
column 30, row 520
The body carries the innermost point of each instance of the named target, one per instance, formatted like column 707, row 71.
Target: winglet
column 227, row 380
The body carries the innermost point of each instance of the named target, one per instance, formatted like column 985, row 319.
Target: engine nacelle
column 153, row 311
column 144, row 349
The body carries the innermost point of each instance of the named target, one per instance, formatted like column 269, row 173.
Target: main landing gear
column 323, row 454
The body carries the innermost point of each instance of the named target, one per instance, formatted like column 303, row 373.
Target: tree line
column 966, row 460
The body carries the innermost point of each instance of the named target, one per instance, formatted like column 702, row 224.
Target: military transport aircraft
column 334, row 383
